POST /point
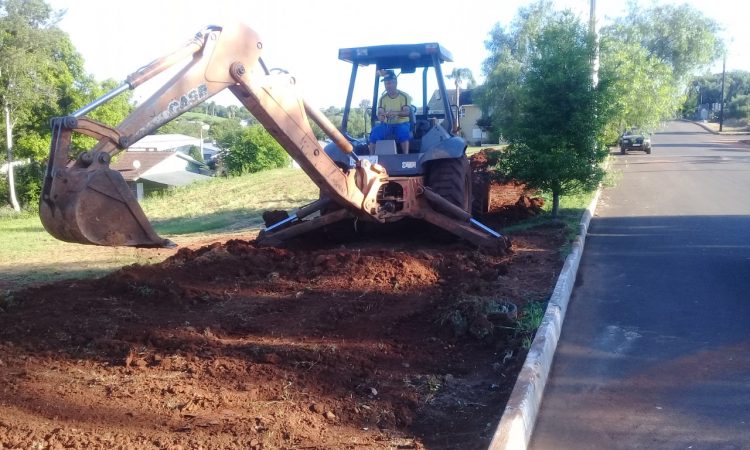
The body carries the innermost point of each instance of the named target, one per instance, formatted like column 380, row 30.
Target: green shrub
column 195, row 153
column 28, row 182
column 253, row 150
column 739, row 107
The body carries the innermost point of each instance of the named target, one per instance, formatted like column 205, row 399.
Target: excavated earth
column 399, row 340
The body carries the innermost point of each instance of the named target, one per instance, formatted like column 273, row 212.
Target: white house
column 175, row 142
column 468, row 114
column 162, row 142
column 150, row 171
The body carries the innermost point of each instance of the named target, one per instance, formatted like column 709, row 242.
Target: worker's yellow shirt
column 395, row 104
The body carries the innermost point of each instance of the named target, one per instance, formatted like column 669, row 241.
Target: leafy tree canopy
column 252, row 150
column 459, row 75
column 510, row 53
column 553, row 131
column 679, row 35
column 639, row 88
column 42, row 76
column 705, row 90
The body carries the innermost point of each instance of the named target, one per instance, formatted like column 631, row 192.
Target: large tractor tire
column 451, row 178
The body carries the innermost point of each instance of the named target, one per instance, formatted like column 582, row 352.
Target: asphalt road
column 655, row 347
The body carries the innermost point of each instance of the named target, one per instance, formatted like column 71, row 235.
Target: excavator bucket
column 97, row 207
column 89, row 203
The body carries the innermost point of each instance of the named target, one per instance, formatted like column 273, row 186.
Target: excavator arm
column 85, row 201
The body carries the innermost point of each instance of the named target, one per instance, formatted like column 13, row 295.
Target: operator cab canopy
column 408, row 57
column 419, row 73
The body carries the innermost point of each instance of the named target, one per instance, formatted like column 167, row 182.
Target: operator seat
column 389, row 146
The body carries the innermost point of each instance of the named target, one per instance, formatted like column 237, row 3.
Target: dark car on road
column 635, row 139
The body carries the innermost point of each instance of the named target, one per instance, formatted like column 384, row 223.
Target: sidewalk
column 713, row 127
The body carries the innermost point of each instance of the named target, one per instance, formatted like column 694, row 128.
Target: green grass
column 730, row 126
column 529, row 321
column 224, row 204
column 568, row 216
column 570, row 211
column 28, row 254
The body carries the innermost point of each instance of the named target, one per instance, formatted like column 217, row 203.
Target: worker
column 394, row 109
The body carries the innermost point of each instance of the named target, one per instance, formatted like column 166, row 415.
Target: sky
column 303, row 37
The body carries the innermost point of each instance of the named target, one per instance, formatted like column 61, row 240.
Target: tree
column 24, row 58
column 355, row 125
column 41, row 75
column 226, row 131
column 253, row 150
column 706, row 90
column 648, row 57
column 553, row 138
column 739, row 107
column 639, row 88
column 679, row 35
column 459, row 76
column 509, row 55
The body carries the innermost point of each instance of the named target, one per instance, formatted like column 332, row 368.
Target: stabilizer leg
column 277, row 238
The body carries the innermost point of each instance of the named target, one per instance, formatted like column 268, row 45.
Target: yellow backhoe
column 85, row 201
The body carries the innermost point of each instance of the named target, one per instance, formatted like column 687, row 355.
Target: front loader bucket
column 95, row 206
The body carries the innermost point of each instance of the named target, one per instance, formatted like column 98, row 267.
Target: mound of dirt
column 499, row 201
column 395, row 341
column 235, row 346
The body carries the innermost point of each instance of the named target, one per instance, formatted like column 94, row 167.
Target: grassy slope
column 28, row 254
column 229, row 203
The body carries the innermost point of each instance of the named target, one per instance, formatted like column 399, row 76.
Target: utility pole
column 592, row 29
column 721, row 111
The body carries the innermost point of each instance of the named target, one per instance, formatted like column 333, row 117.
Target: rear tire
column 451, row 178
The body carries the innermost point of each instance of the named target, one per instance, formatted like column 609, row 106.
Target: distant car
column 635, row 139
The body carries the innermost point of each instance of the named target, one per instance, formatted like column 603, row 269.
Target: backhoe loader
column 84, row 201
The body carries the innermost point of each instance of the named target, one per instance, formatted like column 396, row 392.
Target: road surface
column 655, row 348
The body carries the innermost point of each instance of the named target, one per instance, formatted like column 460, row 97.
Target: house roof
column 436, row 103
column 162, row 142
column 466, row 96
column 146, row 161
column 177, row 178
column 210, row 147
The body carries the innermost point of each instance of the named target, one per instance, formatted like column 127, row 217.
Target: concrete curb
column 700, row 124
column 519, row 417
column 710, row 130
